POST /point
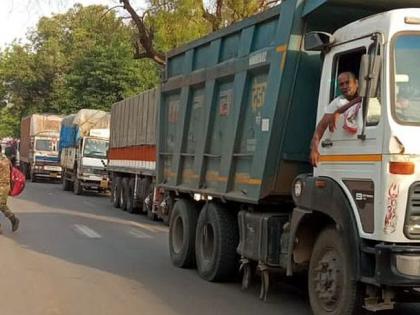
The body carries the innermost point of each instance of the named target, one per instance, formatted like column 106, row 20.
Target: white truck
column 39, row 136
column 83, row 151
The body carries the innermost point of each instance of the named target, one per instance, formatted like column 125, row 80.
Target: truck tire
column 116, row 191
column 25, row 170
column 217, row 238
column 77, row 187
column 331, row 288
column 145, row 189
column 167, row 216
column 130, row 196
column 123, row 193
column 151, row 215
column 182, row 233
column 66, row 184
column 33, row 177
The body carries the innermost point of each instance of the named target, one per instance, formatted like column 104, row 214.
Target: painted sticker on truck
column 391, row 217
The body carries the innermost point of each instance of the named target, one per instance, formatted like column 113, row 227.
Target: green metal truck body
column 238, row 107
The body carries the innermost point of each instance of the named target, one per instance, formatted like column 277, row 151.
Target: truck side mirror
column 318, row 41
column 369, row 76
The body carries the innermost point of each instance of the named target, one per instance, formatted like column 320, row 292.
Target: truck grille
column 100, row 172
column 412, row 221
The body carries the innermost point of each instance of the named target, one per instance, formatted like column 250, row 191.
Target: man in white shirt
column 348, row 85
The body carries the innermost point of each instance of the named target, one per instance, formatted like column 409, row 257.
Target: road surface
column 78, row 255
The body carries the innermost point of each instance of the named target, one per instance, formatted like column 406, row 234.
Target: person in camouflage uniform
column 4, row 191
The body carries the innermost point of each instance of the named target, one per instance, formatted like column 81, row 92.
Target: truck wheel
column 66, row 184
column 182, row 233
column 167, row 216
column 145, row 190
column 331, row 288
column 25, row 170
column 217, row 237
column 116, row 191
column 130, row 196
column 33, row 177
column 77, row 187
column 123, row 193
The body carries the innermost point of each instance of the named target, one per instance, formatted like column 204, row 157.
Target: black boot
column 15, row 223
column 1, row 231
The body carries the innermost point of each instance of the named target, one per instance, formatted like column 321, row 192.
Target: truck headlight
column 408, row 265
column 87, row 170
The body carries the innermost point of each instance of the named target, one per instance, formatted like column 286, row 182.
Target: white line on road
column 139, row 234
column 84, row 230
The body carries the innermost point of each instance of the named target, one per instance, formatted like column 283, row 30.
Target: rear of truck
column 132, row 154
column 39, row 146
column 237, row 113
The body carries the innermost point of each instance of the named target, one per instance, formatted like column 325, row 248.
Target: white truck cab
column 378, row 166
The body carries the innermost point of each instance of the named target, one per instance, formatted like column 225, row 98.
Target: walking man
column 4, row 191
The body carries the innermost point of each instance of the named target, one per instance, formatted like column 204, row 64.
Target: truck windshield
column 44, row 145
column 95, row 148
column 406, row 103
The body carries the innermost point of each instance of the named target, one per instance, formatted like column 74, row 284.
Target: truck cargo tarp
column 67, row 137
column 41, row 124
column 78, row 125
column 87, row 119
column 133, row 120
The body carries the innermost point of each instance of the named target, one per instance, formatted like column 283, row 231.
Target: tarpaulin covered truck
column 39, row 136
column 238, row 109
column 132, row 154
column 84, row 142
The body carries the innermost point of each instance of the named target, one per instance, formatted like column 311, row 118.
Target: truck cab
column 86, row 163
column 92, row 160
column 44, row 157
column 375, row 168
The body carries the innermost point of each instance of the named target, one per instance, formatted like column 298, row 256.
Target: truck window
column 43, row 145
column 348, row 61
column 96, row 148
column 406, row 102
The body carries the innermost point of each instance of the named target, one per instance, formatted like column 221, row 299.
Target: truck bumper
column 47, row 174
column 94, row 184
column 398, row 265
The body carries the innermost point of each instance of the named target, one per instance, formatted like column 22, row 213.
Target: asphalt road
column 78, row 255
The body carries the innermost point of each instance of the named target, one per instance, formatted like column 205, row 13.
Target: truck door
column 352, row 162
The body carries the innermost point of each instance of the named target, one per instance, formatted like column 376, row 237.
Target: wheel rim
column 114, row 196
column 328, row 280
column 121, row 198
column 207, row 242
column 178, row 234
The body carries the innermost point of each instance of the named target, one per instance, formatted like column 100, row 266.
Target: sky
column 18, row 16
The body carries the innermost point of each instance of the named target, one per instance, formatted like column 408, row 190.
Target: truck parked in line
column 237, row 112
column 132, row 155
column 38, row 151
column 84, row 142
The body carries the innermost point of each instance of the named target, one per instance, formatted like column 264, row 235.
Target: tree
column 170, row 23
column 79, row 59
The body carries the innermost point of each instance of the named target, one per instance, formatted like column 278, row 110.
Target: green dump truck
column 238, row 109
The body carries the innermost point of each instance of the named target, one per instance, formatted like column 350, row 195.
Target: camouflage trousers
column 4, row 193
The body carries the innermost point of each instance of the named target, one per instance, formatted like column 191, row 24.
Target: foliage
column 80, row 59
column 9, row 123
column 83, row 58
